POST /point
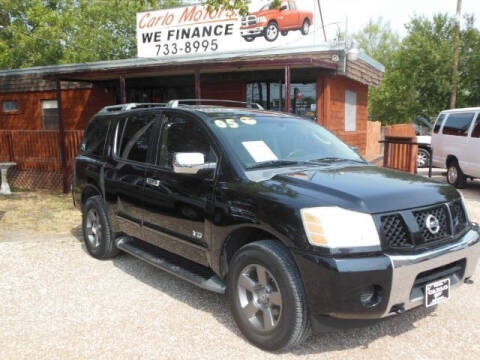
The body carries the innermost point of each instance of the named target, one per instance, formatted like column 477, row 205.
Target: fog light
column 370, row 297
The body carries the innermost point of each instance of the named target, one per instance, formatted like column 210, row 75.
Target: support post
column 123, row 92
column 61, row 138
column 287, row 88
column 198, row 88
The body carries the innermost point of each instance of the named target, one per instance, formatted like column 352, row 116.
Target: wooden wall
column 79, row 106
column 331, row 108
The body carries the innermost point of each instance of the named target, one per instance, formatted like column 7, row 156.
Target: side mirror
column 283, row 7
column 190, row 163
column 354, row 148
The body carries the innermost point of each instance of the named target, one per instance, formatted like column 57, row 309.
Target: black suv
column 273, row 210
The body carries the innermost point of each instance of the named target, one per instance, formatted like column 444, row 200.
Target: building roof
column 365, row 69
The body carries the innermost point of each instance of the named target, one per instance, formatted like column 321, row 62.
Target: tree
column 378, row 40
column 46, row 32
column 418, row 76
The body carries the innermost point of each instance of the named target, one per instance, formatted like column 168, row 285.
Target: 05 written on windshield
column 187, row 47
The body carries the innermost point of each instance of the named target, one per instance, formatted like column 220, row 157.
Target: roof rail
column 131, row 106
column 177, row 103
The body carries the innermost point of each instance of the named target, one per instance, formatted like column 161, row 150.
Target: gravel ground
column 58, row 302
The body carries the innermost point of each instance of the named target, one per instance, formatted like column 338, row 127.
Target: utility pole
column 456, row 56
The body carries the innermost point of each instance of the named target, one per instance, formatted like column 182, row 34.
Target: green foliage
column 418, row 75
column 237, row 5
column 46, row 32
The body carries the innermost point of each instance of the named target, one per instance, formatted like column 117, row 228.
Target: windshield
column 277, row 140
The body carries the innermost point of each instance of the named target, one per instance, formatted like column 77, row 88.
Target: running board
column 184, row 269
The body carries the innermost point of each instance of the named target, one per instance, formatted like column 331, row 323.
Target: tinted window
column 439, row 123
column 257, row 137
column 94, row 138
column 135, row 136
column 180, row 134
column 458, row 124
column 476, row 128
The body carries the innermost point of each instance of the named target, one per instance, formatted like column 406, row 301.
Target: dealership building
column 323, row 83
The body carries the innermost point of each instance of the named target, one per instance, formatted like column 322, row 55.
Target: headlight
column 261, row 19
column 334, row 227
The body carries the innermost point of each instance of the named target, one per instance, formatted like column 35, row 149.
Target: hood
column 366, row 188
column 264, row 12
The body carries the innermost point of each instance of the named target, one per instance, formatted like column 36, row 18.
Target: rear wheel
column 97, row 232
column 305, row 27
column 267, row 296
column 284, row 32
column 249, row 38
column 455, row 175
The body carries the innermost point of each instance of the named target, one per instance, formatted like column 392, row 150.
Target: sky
column 397, row 12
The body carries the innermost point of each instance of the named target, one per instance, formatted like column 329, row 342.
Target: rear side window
column 457, row 124
column 94, row 137
column 439, row 123
column 135, row 137
column 476, row 128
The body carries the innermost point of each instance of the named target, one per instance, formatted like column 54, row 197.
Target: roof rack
column 131, row 106
column 177, row 103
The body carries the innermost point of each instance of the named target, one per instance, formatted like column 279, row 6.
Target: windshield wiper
column 274, row 163
column 336, row 159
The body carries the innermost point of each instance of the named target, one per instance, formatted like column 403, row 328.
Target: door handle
column 153, row 182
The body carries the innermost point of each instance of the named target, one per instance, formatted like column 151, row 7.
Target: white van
column 456, row 144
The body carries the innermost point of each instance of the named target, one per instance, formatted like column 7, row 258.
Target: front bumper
column 334, row 285
column 253, row 31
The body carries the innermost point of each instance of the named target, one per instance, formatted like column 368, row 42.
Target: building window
column 350, row 110
column 10, row 106
column 50, row 114
column 271, row 95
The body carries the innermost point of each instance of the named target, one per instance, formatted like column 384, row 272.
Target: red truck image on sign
column 269, row 21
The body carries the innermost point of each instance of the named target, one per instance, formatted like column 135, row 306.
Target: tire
column 249, row 38
column 97, row 231
column 455, row 175
column 423, row 158
column 284, row 32
column 305, row 27
column 271, row 31
column 283, row 297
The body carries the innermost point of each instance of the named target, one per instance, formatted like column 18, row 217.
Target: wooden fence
column 38, row 149
column 400, row 150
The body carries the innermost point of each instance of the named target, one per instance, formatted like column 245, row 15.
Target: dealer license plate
column 437, row 292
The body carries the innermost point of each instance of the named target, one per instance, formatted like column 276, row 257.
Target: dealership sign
column 194, row 30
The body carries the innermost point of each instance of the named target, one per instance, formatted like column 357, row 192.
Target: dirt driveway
column 58, row 302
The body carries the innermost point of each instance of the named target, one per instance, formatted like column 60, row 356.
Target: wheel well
column 450, row 159
column 88, row 192
column 239, row 238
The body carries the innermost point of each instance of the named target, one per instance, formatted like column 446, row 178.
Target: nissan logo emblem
column 432, row 224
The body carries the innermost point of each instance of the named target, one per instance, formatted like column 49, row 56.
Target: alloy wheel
column 259, row 297
column 272, row 32
column 94, row 228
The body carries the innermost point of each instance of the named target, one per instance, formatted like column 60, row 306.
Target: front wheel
column 267, row 297
column 249, row 38
column 423, row 158
column 271, row 32
column 455, row 175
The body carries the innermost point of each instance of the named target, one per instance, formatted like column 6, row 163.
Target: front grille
column 440, row 212
column 249, row 20
column 395, row 232
column 459, row 217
